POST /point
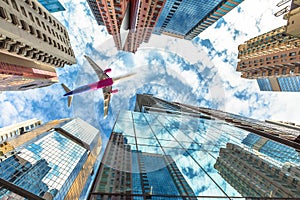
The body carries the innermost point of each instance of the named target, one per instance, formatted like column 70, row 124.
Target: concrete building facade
column 254, row 176
column 95, row 10
column 29, row 30
column 32, row 44
column 130, row 22
column 273, row 59
column 142, row 23
column 14, row 130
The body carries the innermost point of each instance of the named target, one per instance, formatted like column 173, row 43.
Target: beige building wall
column 11, row 131
column 28, row 30
column 273, row 54
column 293, row 26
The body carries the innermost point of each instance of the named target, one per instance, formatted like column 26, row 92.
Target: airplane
column 105, row 82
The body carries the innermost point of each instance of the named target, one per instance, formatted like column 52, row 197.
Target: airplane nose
column 68, row 94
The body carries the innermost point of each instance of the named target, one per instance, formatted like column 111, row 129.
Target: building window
column 14, row 4
column 23, row 11
column 33, row 5
column 14, row 19
column 38, row 21
column 3, row 13
column 284, row 71
column 24, row 25
column 283, row 55
column 31, row 17
column 292, row 54
column 32, row 30
column 39, row 35
column 43, row 24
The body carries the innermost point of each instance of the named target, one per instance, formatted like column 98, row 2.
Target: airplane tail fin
column 122, row 77
column 70, row 98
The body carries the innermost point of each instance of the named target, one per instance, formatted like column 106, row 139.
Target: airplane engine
column 114, row 91
column 107, row 70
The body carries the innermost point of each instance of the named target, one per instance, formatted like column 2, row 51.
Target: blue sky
column 200, row 72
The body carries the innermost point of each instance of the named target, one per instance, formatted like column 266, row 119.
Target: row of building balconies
column 37, row 25
column 30, row 52
column 275, row 60
column 266, row 49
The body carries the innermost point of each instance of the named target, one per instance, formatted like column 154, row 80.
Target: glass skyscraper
column 166, row 150
column 52, row 162
column 187, row 18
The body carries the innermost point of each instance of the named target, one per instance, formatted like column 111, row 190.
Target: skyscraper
column 168, row 150
column 32, row 43
column 188, row 18
column 282, row 134
column 273, row 60
column 137, row 173
column 130, row 22
column 52, row 5
column 53, row 161
column 95, row 10
column 18, row 74
column 253, row 175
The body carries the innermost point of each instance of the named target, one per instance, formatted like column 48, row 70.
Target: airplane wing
column 106, row 96
column 70, row 98
column 101, row 75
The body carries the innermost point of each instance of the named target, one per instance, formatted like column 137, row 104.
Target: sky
column 200, row 72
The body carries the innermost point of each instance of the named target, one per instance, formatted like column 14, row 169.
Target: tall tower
column 130, row 22
column 252, row 175
column 188, row 18
column 133, row 173
column 168, row 150
column 274, row 131
column 53, row 161
column 95, row 10
column 273, row 60
column 32, row 43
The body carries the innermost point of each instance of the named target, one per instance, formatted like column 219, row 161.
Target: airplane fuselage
column 93, row 86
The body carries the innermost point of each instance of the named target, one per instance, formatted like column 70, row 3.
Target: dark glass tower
column 168, row 150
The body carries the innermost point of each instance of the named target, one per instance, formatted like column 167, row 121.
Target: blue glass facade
column 170, row 156
column 188, row 11
column 160, row 153
column 49, row 164
column 52, row 5
column 264, row 84
column 188, row 18
column 289, row 84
